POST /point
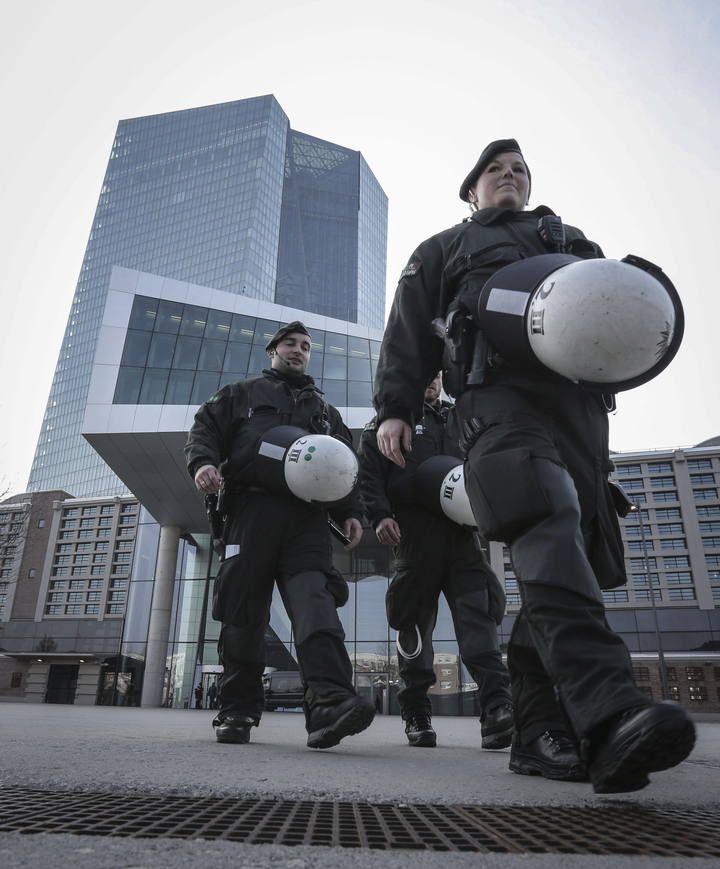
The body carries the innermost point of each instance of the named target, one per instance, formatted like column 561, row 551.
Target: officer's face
column 432, row 391
column 503, row 184
column 292, row 353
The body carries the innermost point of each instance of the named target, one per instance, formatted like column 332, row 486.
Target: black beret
column 499, row 146
column 295, row 326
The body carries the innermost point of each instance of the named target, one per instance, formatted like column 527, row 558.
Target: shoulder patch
column 411, row 269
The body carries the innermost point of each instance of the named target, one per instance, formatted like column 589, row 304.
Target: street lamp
column 664, row 686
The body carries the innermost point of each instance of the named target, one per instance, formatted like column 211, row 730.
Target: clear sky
column 615, row 105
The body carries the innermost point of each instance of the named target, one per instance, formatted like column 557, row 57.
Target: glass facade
column 181, row 354
column 223, row 196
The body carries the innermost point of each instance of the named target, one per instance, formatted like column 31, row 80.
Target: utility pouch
column 506, row 493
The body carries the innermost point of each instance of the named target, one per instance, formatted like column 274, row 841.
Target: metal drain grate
column 610, row 829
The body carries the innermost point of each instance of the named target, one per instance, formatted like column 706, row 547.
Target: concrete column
column 159, row 627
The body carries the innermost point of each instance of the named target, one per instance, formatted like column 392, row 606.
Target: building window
column 642, row 563
column 633, row 485
column 641, row 674
column 673, row 543
column 615, row 596
column 699, row 464
column 667, row 513
column 627, row 470
column 665, row 496
column 676, row 561
column 711, row 542
column 671, row 528
column 662, row 482
column 679, row 577
column 671, row 674
column 31, row 573
column 41, row 523
column 695, row 674
column 636, row 531
column 705, row 494
column 660, row 467
column 700, row 479
column 674, row 693
column 640, row 580
column 698, row 694
column 709, row 526
column 71, row 511
column 681, row 594
column 89, row 511
column 107, row 510
column 708, row 512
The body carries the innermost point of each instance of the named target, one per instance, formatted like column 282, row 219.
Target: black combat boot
column 419, row 730
column 327, row 725
column 552, row 755
column 624, row 750
column 497, row 726
column 232, row 727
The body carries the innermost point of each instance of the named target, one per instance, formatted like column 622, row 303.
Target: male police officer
column 433, row 555
column 276, row 538
column 536, row 471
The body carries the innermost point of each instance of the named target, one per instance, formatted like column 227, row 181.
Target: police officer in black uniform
column 536, row 470
column 433, row 555
column 273, row 537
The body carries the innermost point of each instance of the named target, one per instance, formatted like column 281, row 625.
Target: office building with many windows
column 228, row 197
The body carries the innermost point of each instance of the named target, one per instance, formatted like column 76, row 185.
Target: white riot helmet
column 603, row 323
column 440, row 488
column 316, row 468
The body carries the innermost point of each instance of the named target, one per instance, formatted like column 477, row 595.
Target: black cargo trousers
column 537, row 480
column 438, row 556
column 281, row 539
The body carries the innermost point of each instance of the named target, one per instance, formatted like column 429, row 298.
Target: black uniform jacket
column 387, row 489
column 228, row 426
column 456, row 262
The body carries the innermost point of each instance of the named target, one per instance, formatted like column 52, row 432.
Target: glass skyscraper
column 229, row 197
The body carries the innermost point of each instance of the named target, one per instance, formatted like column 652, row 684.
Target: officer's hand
column 353, row 530
column 388, row 531
column 393, row 436
column 208, row 479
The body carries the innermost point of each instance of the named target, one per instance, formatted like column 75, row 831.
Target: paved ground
column 173, row 752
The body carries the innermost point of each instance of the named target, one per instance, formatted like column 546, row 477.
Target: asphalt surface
column 160, row 751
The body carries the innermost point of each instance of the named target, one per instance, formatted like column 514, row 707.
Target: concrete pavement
column 160, row 751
